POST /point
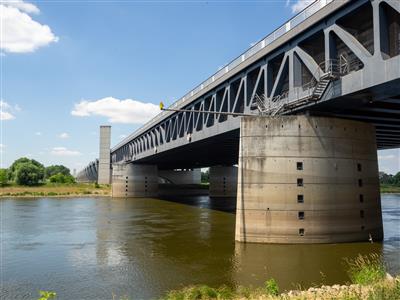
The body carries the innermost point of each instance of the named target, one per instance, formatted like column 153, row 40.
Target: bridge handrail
column 289, row 25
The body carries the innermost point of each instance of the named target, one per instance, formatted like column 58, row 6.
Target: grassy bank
column 369, row 280
column 55, row 190
column 390, row 188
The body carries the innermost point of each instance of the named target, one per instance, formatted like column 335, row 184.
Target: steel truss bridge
column 338, row 58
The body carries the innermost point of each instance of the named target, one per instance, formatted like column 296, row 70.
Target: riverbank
column 56, row 190
column 390, row 189
column 368, row 275
column 387, row 289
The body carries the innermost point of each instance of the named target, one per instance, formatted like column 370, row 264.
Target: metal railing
column 292, row 23
column 327, row 70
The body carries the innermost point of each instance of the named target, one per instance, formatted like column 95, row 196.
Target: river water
column 94, row 248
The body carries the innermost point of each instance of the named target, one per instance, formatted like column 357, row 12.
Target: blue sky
column 69, row 66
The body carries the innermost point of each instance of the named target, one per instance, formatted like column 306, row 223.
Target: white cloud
column 63, row 135
column 4, row 116
column 122, row 136
column 62, row 151
column 21, row 5
column 38, row 133
column 2, row 146
column 6, row 111
column 126, row 111
column 19, row 32
column 300, row 5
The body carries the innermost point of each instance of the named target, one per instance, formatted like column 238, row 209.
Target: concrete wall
column 104, row 173
column 223, row 181
column 132, row 180
column 181, row 177
column 307, row 180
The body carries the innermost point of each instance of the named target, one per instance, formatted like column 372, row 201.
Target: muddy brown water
column 94, row 248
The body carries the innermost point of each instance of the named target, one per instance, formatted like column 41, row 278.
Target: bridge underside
column 222, row 149
column 379, row 106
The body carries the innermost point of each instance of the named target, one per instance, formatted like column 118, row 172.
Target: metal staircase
column 321, row 86
column 316, row 88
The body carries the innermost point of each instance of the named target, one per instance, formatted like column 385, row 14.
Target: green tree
column 29, row 173
column 205, row 176
column 3, row 177
column 396, row 179
column 12, row 171
column 61, row 178
column 56, row 169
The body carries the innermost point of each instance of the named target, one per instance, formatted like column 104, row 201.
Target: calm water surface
column 92, row 248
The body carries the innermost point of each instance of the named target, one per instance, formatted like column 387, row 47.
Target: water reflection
column 89, row 248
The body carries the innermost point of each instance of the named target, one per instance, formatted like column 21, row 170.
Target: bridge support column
column 104, row 172
column 307, row 180
column 223, row 181
column 134, row 180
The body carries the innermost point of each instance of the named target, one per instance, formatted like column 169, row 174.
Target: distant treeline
column 389, row 179
column 25, row 171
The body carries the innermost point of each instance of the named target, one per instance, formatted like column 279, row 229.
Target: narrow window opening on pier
column 361, row 214
column 299, row 166
column 359, row 167
column 361, row 198
column 360, row 182
column 126, row 177
column 299, row 181
column 300, row 198
column 301, row 231
column 301, row 215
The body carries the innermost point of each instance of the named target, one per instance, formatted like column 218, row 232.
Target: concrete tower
column 104, row 172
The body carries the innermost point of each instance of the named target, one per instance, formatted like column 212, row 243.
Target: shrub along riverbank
column 55, row 190
column 369, row 280
column 390, row 189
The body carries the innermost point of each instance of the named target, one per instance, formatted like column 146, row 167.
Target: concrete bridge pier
column 223, row 181
column 307, row 180
column 134, row 180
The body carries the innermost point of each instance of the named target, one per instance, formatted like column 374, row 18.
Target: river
column 94, row 248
